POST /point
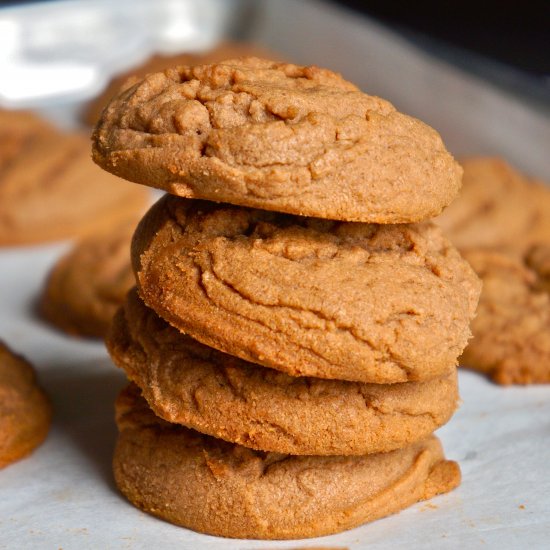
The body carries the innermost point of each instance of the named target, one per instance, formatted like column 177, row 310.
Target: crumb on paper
column 428, row 506
column 64, row 495
column 77, row 530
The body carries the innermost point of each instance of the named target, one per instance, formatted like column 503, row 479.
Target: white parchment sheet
column 63, row 496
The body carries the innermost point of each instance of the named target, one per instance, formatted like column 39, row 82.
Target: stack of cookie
column 290, row 364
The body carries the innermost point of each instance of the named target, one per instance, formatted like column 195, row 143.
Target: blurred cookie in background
column 511, row 331
column 498, row 208
column 156, row 63
column 25, row 411
column 18, row 131
column 501, row 224
column 87, row 285
column 49, row 187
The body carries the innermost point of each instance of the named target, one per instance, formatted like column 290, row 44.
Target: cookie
column 223, row 489
column 87, row 285
column 512, row 327
column 498, row 208
column 308, row 297
column 156, row 63
column 276, row 136
column 188, row 383
column 25, row 412
column 50, row 189
column 501, row 221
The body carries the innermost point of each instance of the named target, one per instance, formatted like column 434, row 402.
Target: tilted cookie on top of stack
column 290, row 352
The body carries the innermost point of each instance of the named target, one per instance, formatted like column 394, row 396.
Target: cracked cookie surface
column 87, row 285
column 188, row 383
column 49, row 187
column 309, row 297
column 160, row 62
column 276, row 136
column 512, row 327
column 223, row 489
column 25, row 411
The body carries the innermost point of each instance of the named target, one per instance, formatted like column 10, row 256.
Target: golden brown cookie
column 156, row 63
column 188, row 383
column 498, row 208
column 309, row 297
column 512, row 326
column 87, row 285
column 25, row 411
column 279, row 137
column 49, row 187
column 223, row 489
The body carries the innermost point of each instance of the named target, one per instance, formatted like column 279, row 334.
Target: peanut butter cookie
column 227, row 490
column 49, row 187
column 25, row 411
column 86, row 287
column 188, row 383
column 279, row 137
column 512, row 326
column 309, row 297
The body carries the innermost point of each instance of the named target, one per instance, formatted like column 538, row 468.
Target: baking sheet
column 63, row 496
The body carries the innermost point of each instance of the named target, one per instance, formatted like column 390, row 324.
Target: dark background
column 513, row 33
column 506, row 43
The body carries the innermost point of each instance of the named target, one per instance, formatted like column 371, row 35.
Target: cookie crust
column 276, row 136
column 309, row 297
column 25, row 411
column 227, row 490
column 188, row 383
